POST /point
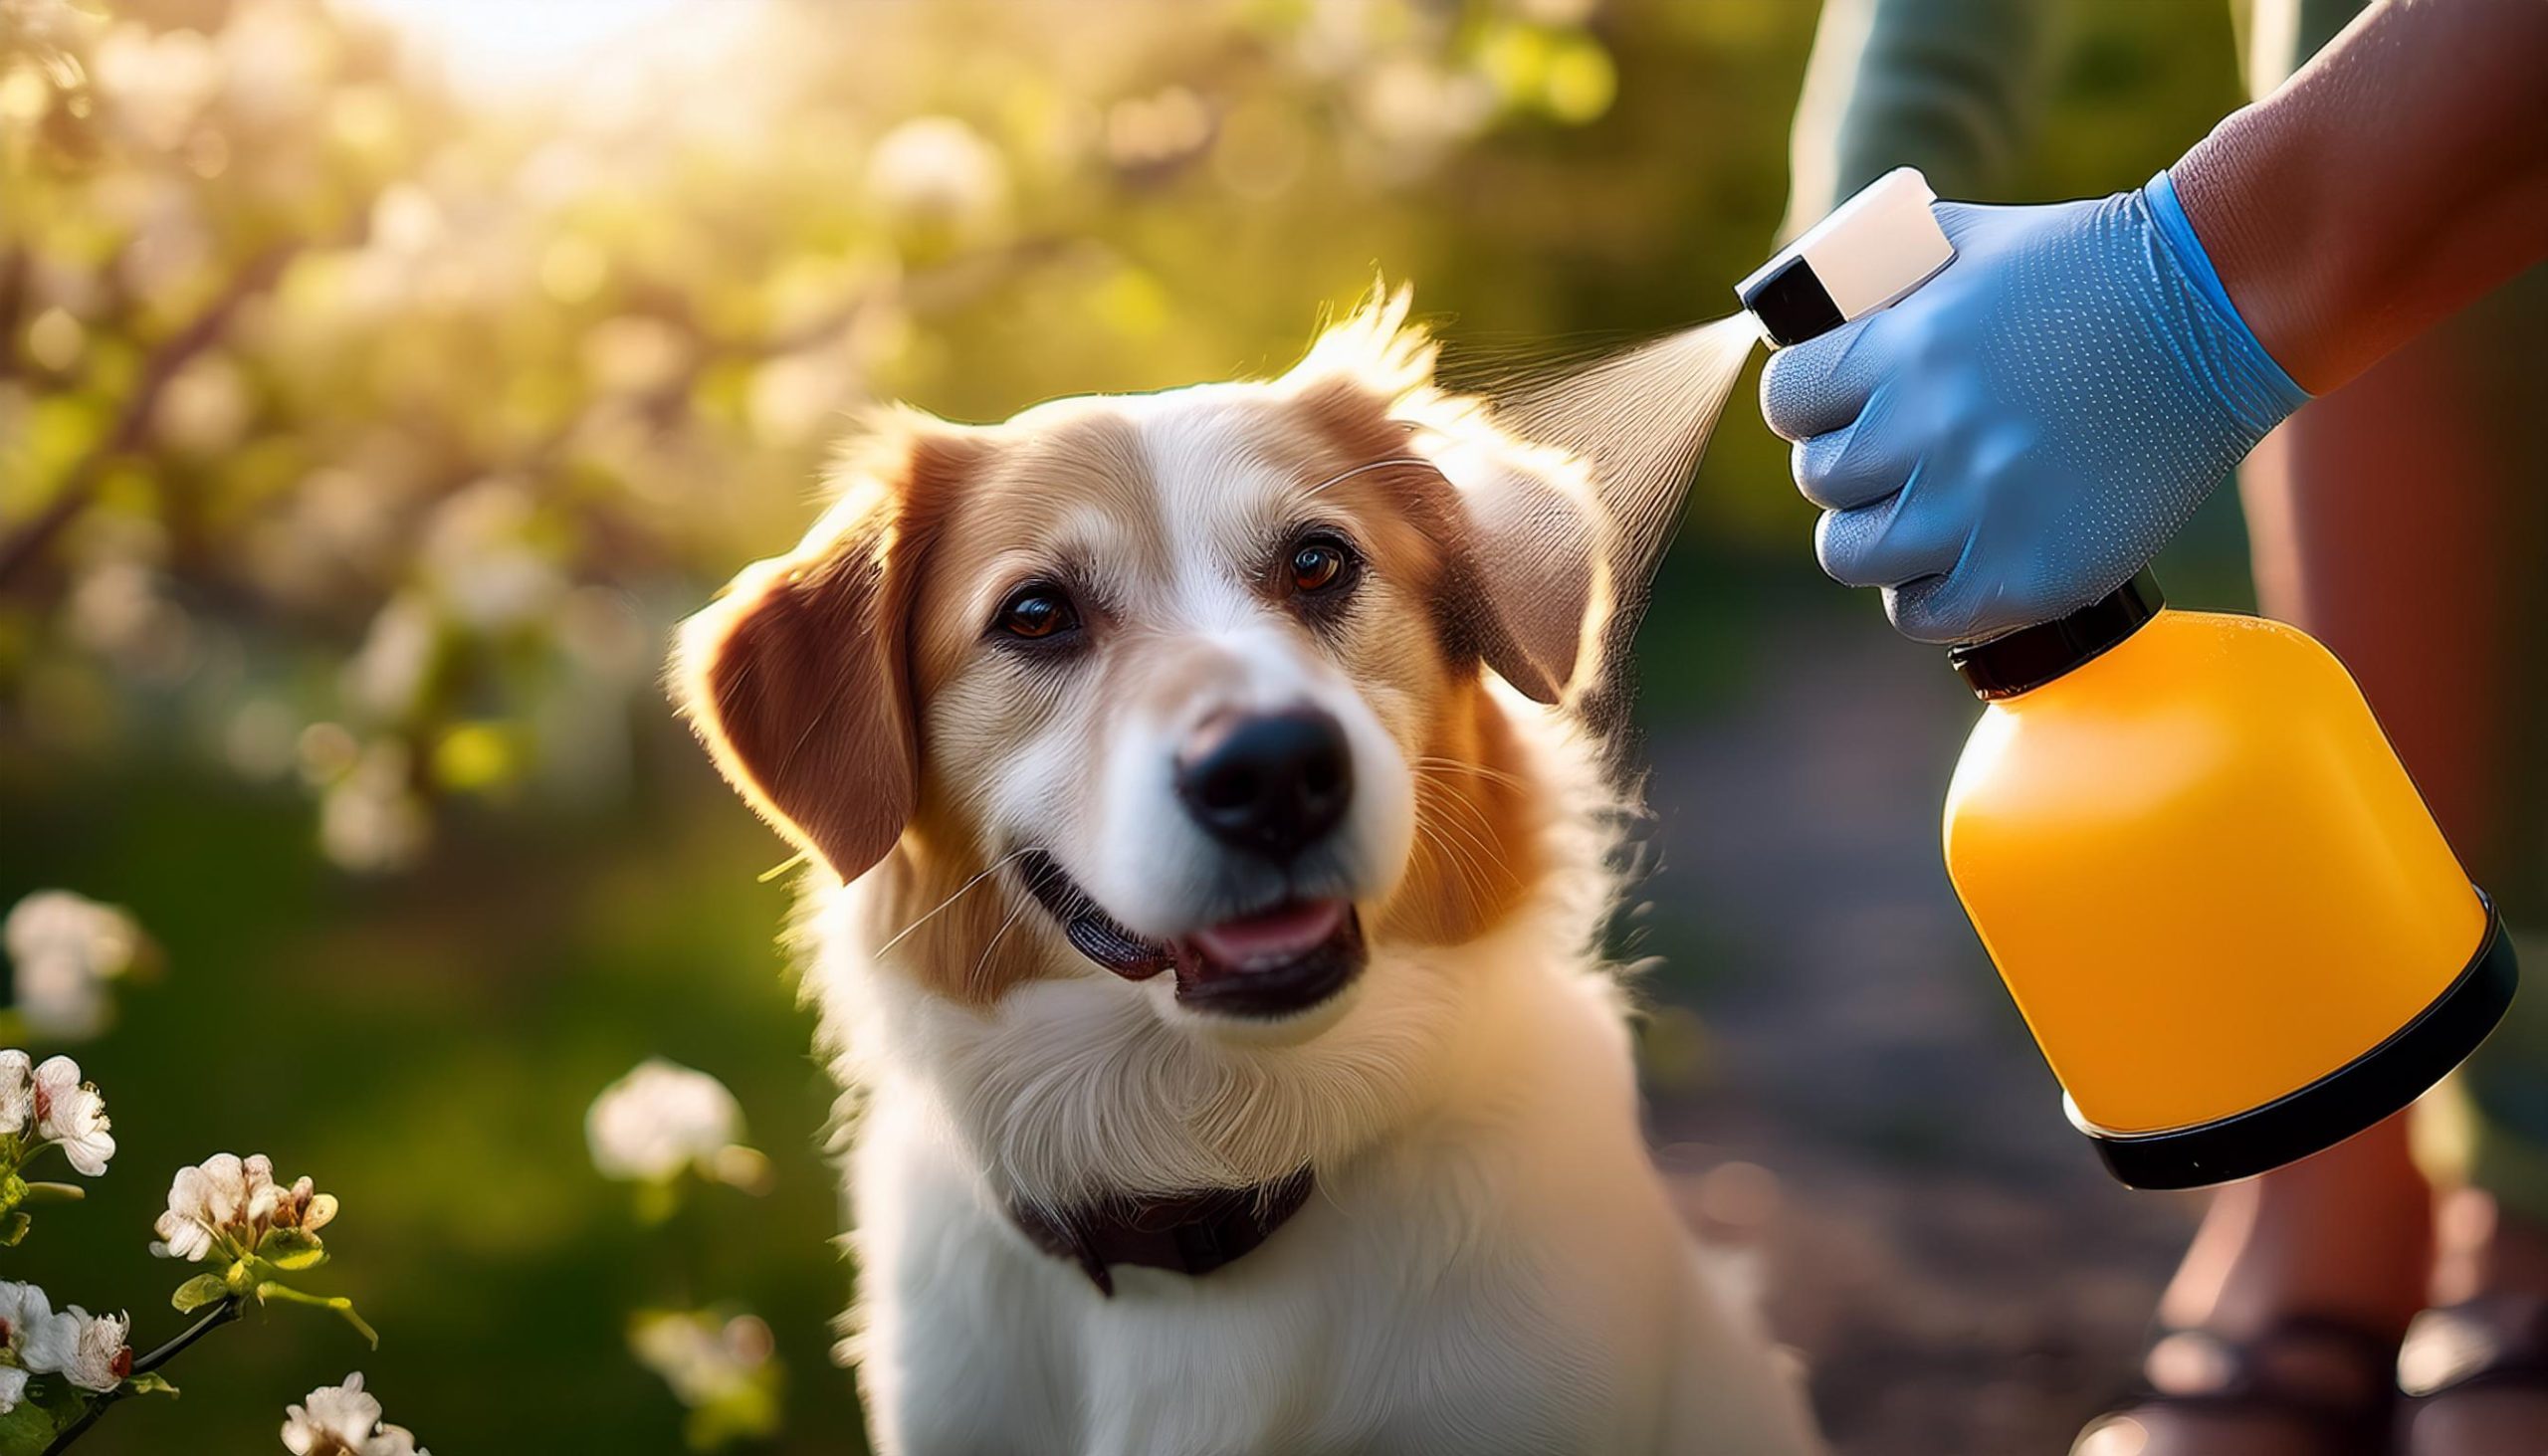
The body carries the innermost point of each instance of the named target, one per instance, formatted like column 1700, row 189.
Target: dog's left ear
column 798, row 678
column 1528, row 570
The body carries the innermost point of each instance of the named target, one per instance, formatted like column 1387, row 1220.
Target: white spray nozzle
column 1872, row 251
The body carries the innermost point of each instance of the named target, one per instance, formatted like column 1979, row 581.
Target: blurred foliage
column 364, row 427
column 378, row 379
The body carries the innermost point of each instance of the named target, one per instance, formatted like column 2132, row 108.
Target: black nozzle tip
column 1792, row 305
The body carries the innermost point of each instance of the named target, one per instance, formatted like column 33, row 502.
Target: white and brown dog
column 1207, row 878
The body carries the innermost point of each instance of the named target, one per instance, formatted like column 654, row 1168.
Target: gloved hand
column 2025, row 430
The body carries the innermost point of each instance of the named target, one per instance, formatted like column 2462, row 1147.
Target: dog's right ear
column 798, row 678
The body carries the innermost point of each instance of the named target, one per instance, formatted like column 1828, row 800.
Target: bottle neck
column 2027, row 659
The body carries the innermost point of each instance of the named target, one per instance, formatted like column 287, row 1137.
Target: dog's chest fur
column 1501, row 1273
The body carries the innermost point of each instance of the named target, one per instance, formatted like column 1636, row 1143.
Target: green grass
column 426, row 1049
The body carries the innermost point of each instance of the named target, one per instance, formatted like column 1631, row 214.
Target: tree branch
column 79, row 488
column 230, row 1308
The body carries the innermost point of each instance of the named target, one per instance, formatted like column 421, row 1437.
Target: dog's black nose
column 1270, row 783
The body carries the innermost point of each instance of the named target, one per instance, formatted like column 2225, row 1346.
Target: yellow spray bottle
column 2225, row 911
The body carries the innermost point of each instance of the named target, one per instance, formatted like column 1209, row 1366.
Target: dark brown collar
column 1185, row 1233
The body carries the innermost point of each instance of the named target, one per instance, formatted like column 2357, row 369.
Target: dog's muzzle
column 1264, row 965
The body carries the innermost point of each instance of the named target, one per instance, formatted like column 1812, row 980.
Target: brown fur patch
column 800, row 678
column 1477, row 852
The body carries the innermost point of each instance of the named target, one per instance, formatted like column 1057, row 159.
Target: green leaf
column 270, row 1291
column 293, row 1249
column 13, row 1230
column 149, row 1383
column 202, row 1289
column 27, row 1430
column 50, row 1404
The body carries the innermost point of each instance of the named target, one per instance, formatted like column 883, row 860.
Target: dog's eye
column 1319, row 564
column 1037, row 612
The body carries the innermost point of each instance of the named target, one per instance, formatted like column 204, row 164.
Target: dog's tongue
column 1270, row 938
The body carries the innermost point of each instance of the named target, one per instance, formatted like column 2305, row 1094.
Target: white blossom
column 345, row 1420
column 371, row 820
column 703, row 1357
column 73, row 1112
column 63, row 950
column 936, row 171
column 234, row 1200
column 17, row 1090
column 480, row 554
column 659, row 1120
column 88, row 1351
column 22, row 1308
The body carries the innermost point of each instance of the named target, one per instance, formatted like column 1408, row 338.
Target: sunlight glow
column 495, row 46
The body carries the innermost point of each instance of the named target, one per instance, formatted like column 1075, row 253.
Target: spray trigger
column 1871, row 251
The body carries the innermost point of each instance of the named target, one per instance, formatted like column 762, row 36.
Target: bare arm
column 2397, row 177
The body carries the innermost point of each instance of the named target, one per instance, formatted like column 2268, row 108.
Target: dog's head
column 1192, row 694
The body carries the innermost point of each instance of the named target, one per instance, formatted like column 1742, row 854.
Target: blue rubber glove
column 2024, row 431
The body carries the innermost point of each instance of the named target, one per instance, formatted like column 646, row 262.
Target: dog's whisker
column 1454, row 799
column 961, row 890
column 1439, row 766
column 1485, row 860
column 1461, row 862
column 1479, row 828
column 983, row 963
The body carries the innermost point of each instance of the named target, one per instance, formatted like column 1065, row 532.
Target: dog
column 1206, row 875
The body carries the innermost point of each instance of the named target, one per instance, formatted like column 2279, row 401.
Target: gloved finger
column 1819, row 385
column 1857, row 464
column 1886, row 543
column 1953, row 607
column 1970, row 605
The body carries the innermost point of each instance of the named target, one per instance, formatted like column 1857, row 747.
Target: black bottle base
column 2349, row 1100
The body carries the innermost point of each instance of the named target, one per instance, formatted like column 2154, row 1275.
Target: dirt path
column 1960, row 1274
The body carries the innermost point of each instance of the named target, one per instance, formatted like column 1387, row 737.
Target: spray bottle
column 2225, row 911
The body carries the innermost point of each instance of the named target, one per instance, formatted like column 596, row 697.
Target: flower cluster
column 345, row 1420
column 721, row 1365
column 43, row 1107
column 230, row 1211
column 64, row 950
column 230, row 1204
column 61, row 1370
column 87, row 1351
column 60, row 1110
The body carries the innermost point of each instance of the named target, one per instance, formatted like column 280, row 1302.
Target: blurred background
column 379, row 379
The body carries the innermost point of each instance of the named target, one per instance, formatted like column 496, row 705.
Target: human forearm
column 2398, row 176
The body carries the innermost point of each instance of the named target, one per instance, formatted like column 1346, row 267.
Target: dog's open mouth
column 1269, row 964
